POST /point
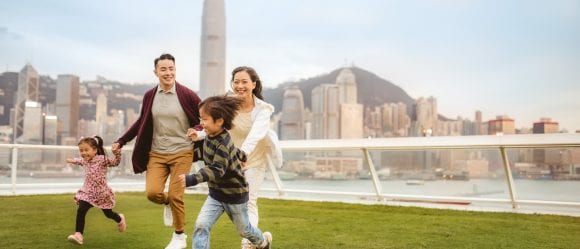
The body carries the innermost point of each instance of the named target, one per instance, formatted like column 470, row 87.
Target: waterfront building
column 28, row 90
column 67, row 105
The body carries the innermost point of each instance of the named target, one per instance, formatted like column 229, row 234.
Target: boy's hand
column 192, row 133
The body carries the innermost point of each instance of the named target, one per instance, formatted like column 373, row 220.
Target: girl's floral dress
column 95, row 189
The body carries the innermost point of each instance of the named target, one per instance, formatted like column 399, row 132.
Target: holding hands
column 116, row 148
column 195, row 135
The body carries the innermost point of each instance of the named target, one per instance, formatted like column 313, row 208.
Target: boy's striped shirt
column 222, row 171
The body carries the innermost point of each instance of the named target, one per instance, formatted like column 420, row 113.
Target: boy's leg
column 180, row 163
column 238, row 214
column 207, row 217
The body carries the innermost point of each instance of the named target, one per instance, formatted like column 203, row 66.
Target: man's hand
column 116, row 148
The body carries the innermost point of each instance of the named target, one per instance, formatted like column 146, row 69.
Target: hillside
column 371, row 89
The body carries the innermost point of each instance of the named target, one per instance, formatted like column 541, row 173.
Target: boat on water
column 286, row 175
column 415, row 182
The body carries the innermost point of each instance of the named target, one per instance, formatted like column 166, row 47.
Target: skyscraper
column 426, row 110
column 213, row 49
column 292, row 126
column 351, row 112
column 67, row 104
column 8, row 86
column 325, row 112
column 28, row 90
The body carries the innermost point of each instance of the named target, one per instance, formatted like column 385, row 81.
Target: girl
column 228, row 189
column 95, row 192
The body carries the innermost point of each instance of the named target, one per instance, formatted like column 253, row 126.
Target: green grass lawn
column 44, row 221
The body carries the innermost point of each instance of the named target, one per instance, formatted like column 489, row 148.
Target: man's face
column 165, row 71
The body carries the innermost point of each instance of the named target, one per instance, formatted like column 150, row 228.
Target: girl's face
column 87, row 152
column 243, row 85
column 211, row 126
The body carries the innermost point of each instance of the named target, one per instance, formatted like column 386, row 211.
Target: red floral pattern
column 95, row 189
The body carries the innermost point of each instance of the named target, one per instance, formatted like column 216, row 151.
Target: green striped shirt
column 222, row 171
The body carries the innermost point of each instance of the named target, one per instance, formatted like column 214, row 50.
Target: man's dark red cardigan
column 143, row 127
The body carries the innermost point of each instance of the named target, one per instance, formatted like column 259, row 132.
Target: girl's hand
column 68, row 160
column 116, row 148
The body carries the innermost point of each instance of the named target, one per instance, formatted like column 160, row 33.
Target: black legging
column 82, row 212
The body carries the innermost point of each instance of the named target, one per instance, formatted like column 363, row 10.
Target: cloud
column 5, row 34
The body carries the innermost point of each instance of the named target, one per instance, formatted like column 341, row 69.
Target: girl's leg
column 207, row 217
column 81, row 214
column 119, row 218
column 112, row 215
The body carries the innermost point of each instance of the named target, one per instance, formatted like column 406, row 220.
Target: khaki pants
column 160, row 167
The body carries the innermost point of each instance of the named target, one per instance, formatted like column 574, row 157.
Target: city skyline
column 518, row 58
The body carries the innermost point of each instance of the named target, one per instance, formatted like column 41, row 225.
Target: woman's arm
column 260, row 127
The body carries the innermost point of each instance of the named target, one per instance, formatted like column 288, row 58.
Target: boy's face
column 211, row 126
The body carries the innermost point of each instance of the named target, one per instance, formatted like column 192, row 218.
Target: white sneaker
column 267, row 243
column 246, row 244
column 167, row 216
column 178, row 241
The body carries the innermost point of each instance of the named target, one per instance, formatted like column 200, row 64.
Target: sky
column 519, row 58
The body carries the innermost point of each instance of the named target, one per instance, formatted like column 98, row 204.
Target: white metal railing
column 365, row 146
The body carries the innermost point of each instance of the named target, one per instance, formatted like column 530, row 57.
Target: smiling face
column 87, row 152
column 165, row 71
column 211, row 126
column 243, row 85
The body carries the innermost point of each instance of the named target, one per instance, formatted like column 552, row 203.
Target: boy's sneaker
column 122, row 225
column 76, row 238
column 267, row 243
column 246, row 244
column 167, row 215
column 178, row 241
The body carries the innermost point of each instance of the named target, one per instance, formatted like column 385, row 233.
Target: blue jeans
column 210, row 213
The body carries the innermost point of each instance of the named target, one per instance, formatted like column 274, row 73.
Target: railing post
column 275, row 176
column 375, row 177
column 14, row 168
column 509, row 177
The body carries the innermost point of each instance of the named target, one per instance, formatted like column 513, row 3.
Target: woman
column 252, row 134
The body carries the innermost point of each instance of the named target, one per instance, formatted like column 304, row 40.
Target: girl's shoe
column 76, row 238
column 122, row 226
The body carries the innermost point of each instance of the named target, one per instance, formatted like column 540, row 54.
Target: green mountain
column 372, row 90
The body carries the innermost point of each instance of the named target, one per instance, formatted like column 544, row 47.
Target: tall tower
column 101, row 113
column 347, row 90
column 213, row 49
column 293, row 114
column 351, row 112
column 28, row 90
column 325, row 112
column 67, row 102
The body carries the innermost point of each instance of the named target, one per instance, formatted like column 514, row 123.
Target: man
column 162, row 147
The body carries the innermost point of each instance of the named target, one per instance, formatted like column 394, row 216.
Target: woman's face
column 242, row 85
